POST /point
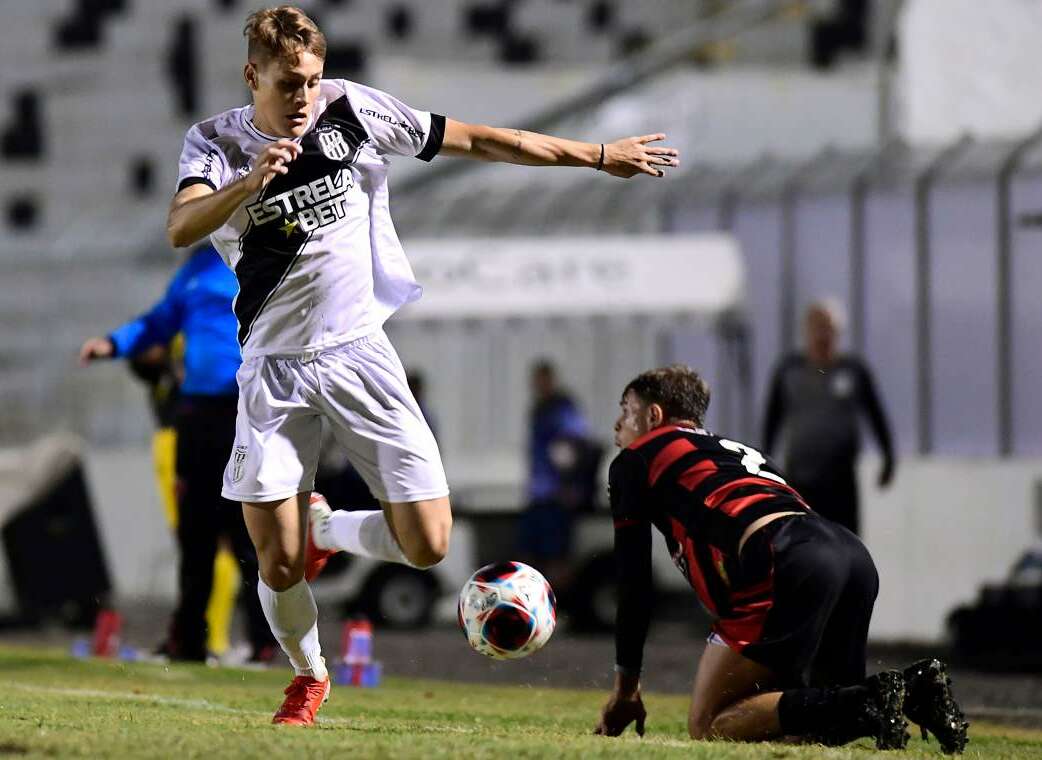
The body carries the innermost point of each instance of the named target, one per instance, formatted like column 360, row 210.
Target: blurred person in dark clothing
column 161, row 369
column 559, row 453
column 815, row 402
column 417, row 383
column 198, row 304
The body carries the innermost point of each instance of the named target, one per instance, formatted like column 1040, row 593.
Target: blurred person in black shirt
column 815, row 400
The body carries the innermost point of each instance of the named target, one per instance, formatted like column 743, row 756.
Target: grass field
column 53, row 706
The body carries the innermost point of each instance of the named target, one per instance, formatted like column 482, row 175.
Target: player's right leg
column 271, row 472
column 263, row 645
column 278, row 532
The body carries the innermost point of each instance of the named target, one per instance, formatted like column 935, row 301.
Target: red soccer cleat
column 315, row 559
column 304, row 696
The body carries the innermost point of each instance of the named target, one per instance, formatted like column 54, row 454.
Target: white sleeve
column 393, row 126
column 201, row 161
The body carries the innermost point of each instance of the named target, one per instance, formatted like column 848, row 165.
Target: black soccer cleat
column 884, row 710
column 930, row 704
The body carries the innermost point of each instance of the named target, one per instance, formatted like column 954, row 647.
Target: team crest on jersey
column 332, row 144
column 842, row 384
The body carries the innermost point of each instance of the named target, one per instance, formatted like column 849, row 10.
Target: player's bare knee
column 425, row 554
column 428, row 549
column 718, row 727
column 281, row 573
column 699, row 725
column 428, row 545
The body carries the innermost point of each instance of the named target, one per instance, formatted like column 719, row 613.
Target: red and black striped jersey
column 702, row 492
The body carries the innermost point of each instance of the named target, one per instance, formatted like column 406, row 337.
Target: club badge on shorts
column 238, row 463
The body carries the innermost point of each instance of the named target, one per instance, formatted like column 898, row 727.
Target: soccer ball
column 507, row 610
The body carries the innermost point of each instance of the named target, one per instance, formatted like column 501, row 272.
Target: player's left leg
column 421, row 529
column 414, row 533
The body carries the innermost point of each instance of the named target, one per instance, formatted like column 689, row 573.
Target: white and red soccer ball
column 507, row 610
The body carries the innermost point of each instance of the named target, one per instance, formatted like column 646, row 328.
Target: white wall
column 971, row 66
column 945, row 527
column 140, row 548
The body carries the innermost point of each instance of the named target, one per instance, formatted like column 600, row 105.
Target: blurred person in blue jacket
column 198, row 306
column 562, row 473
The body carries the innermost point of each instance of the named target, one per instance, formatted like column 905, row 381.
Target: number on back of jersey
column 752, row 460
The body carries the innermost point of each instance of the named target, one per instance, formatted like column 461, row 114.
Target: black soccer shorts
column 808, row 621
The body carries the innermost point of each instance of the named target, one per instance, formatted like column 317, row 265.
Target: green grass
column 53, row 706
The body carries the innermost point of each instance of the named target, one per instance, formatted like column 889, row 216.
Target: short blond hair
column 283, row 32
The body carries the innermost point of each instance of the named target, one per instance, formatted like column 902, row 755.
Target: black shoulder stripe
column 341, row 113
column 189, row 181
column 208, row 128
column 435, row 137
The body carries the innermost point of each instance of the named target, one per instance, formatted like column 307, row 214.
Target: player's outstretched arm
column 622, row 158
column 198, row 210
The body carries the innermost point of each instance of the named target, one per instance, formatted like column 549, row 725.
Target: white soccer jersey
column 316, row 254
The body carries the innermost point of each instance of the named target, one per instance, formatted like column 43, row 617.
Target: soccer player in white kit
column 292, row 190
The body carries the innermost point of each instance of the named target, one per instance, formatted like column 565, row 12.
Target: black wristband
column 600, row 161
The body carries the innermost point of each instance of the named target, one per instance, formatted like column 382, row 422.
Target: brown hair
column 678, row 389
column 282, row 32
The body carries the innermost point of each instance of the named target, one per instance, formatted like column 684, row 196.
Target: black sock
column 834, row 715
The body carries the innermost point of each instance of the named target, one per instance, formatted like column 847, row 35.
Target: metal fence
column 934, row 251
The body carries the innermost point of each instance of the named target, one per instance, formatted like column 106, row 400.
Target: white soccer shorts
column 360, row 389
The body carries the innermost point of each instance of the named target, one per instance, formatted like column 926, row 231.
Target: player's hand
column 271, row 162
column 96, row 348
column 620, row 712
column 635, row 155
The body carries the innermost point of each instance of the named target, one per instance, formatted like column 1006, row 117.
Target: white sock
column 293, row 618
column 365, row 533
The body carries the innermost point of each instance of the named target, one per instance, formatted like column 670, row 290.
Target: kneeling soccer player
column 791, row 592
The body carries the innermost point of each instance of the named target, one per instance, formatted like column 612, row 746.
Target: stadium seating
column 108, row 99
